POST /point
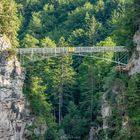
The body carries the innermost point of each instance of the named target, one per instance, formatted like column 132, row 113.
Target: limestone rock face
column 135, row 60
column 136, row 64
column 12, row 101
column 105, row 111
column 136, row 39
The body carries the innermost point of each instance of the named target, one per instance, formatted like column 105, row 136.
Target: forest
column 67, row 93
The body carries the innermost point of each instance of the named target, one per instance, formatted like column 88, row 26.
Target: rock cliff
column 135, row 59
column 12, row 101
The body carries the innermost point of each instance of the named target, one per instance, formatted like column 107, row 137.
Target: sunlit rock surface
column 12, row 101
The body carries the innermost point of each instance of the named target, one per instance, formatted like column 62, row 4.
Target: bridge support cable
column 100, row 58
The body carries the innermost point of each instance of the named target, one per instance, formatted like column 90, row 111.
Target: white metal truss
column 36, row 54
column 67, row 50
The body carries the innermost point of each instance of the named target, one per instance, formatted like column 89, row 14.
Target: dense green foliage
column 132, row 100
column 9, row 23
column 65, row 93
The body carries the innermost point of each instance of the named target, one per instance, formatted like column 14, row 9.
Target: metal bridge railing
column 66, row 50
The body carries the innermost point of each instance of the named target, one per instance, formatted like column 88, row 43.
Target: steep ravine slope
column 120, row 121
column 12, row 100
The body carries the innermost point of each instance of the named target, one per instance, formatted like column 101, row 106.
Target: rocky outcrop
column 113, row 106
column 12, row 100
column 119, row 90
column 93, row 133
column 135, row 59
column 136, row 39
column 106, row 112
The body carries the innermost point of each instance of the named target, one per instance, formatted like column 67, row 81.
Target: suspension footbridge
column 74, row 50
column 35, row 54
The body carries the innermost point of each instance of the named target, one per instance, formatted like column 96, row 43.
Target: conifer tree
column 9, row 22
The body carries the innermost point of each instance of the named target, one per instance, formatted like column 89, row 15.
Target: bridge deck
column 67, row 50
